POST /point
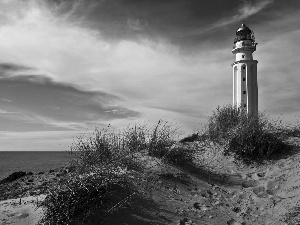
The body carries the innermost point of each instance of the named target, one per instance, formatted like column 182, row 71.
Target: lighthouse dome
column 244, row 33
column 243, row 28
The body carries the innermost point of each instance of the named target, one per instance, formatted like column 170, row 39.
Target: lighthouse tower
column 245, row 91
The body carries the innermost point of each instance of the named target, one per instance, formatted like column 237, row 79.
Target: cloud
column 51, row 123
column 6, row 112
column 249, row 8
column 246, row 9
column 136, row 24
column 43, row 103
column 11, row 67
column 37, row 141
column 5, row 100
column 145, row 75
column 68, row 66
column 150, row 76
column 278, row 72
column 217, row 30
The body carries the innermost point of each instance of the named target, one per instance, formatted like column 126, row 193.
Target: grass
column 105, row 149
column 104, row 160
column 248, row 138
column 75, row 197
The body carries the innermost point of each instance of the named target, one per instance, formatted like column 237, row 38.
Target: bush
column 223, row 122
column 135, row 137
column 106, row 149
column 103, row 163
column 162, row 137
column 250, row 138
column 77, row 196
column 253, row 142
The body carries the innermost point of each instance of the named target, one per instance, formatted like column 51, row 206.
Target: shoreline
column 31, row 184
column 20, row 198
column 32, row 161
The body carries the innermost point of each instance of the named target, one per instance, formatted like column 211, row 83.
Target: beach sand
column 179, row 195
column 23, row 211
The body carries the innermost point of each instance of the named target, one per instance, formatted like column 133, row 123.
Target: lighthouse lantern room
column 245, row 90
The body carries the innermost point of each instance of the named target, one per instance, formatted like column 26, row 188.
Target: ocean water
column 31, row 161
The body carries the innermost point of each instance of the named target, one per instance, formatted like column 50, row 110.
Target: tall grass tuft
column 162, row 136
column 107, row 149
column 250, row 138
column 136, row 137
column 76, row 197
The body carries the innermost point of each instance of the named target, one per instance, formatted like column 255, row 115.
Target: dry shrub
column 223, row 122
column 162, row 137
column 136, row 137
column 102, row 161
column 106, row 149
column 162, row 144
column 77, row 196
column 250, row 138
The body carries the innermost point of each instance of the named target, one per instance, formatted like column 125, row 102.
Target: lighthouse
column 245, row 90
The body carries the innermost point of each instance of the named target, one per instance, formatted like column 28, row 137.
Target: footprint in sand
column 234, row 222
column 18, row 215
column 258, row 176
column 5, row 221
column 250, row 183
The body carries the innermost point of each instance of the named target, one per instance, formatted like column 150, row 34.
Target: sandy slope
column 193, row 194
column 21, row 211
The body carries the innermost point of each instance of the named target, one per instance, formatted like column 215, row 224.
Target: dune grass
column 248, row 138
column 104, row 160
column 75, row 197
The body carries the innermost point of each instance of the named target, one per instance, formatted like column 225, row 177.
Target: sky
column 68, row 66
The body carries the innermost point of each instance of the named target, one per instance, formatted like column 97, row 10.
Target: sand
column 191, row 194
column 21, row 211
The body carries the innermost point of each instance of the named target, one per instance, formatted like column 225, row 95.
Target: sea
column 27, row 161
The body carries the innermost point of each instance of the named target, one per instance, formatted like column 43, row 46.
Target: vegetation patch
column 249, row 138
column 292, row 217
column 105, row 163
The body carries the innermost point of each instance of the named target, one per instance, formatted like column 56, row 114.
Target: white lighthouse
column 245, row 91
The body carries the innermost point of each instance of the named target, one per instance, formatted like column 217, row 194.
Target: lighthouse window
column 243, row 56
column 244, row 92
column 244, row 79
column 245, row 105
column 244, row 67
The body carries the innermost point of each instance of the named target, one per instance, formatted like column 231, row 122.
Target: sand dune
column 23, row 211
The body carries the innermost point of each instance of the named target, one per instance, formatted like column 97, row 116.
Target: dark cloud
column 185, row 23
column 38, row 96
column 170, row 19
column 10, row 67
column 16, row 123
